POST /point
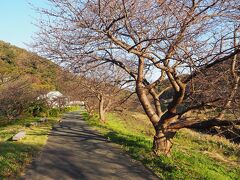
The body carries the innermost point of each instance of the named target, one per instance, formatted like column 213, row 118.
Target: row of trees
column 101, row 88
column 163, row 46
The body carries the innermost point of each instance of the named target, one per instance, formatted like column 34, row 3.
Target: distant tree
column 107, row 86
column 99, row 87
column 153, row 41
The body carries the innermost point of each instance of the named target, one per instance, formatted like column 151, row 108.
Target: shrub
column 38, row 108
column 54, row 112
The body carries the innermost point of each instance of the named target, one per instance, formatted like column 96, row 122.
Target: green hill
column 24, row 76
column 16, row 62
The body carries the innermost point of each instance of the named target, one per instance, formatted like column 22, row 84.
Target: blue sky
column 16, row 18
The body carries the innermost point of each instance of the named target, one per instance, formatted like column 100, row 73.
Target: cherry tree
column 163, row 45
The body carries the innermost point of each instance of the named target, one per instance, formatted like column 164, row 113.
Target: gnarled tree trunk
column 162, row 141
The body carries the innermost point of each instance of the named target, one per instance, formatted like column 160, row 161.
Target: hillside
column 16, row 62
column 24, row 76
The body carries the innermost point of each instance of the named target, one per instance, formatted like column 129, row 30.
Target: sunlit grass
column 194, row 155
column 14, row 156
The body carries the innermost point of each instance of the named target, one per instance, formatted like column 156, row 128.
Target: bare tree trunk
column 89, row 110
column 101, row 109
column 142, row 96
column 156, row 102
column 162, row 141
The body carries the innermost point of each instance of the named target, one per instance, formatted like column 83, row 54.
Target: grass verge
column 194, row 155
column 14, row 156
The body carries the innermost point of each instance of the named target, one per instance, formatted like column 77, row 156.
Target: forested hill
column 24, row 76
column 16, row 62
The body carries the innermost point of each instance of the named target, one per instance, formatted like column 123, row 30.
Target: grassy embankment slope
column 194, row 155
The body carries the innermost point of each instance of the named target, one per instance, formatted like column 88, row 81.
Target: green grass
column 14, row 156
column 194, row 155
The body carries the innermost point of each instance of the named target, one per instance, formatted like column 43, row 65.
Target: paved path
column 74, row 151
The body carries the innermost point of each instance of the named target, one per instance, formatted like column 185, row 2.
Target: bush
column 54, row 112
column 38, row 108
column 16, row 97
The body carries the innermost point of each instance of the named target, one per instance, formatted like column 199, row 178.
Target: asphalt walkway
column 75, row 151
